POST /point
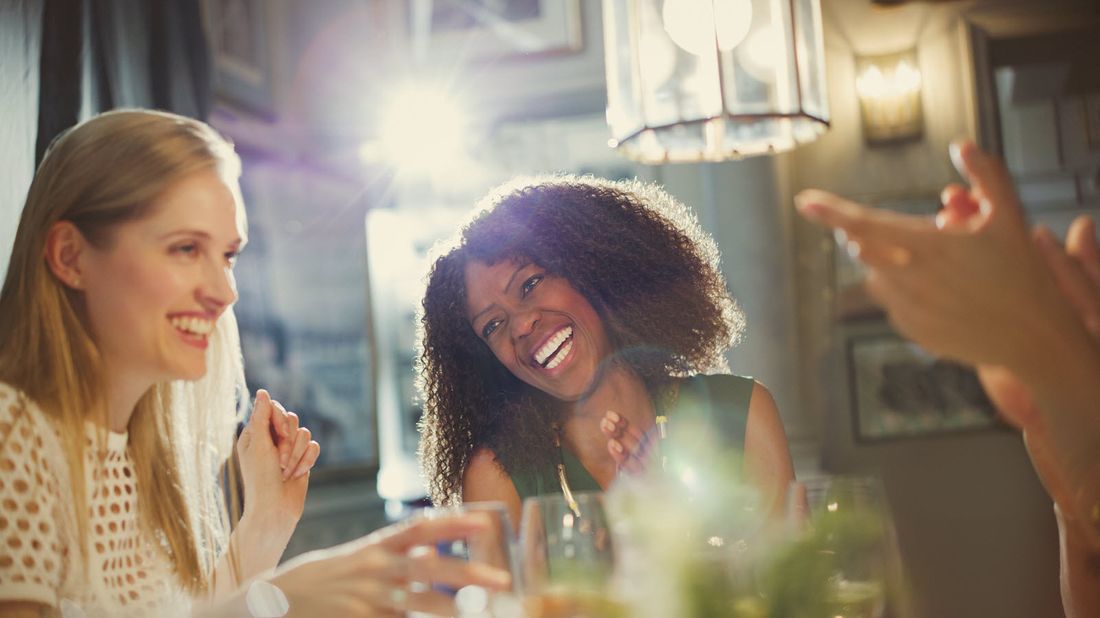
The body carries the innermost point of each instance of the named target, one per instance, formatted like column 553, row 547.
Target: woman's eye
column 231, row 257
column 188, row 249
column 530, row 284
column 489, row 328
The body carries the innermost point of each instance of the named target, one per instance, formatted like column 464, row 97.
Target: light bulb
column 694, row 24
column 760, row 53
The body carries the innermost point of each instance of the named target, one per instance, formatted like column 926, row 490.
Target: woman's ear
column 65, row 248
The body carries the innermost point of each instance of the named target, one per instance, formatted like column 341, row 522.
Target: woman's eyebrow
column 507, row 286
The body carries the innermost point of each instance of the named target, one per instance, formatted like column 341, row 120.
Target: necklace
column 567, row 492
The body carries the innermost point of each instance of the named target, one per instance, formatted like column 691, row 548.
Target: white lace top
column 128, row 573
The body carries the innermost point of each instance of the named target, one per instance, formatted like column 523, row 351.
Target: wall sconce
column 889, row 89
column 707, row 80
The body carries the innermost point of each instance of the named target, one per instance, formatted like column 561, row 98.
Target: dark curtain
column 106, row 54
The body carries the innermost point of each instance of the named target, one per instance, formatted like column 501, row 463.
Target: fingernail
column 810, row 210
column 955, row 150
column 607, row 425
column 615, row 418
column 854, row 249
column 840, row 236
column 615, row 446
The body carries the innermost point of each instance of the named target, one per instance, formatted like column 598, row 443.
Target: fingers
column 424, row 531
column 1081, row 244
column 387, row 599
column 1076, row 285
column 627, row 445
column 959, row 206
column 432, row 602
column 286, row 425
column 880, row 237
column 261, row 410
column 990, row 180
column 611, row 430
column 428, row 567
column 303, row 455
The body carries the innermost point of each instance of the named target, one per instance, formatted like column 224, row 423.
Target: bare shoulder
column 764, row 413
column 767, row 456
column 485, row 480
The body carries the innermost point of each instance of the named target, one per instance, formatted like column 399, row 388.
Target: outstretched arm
column 972, row 286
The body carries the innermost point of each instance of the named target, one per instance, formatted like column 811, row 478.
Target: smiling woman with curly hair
column 564, row 317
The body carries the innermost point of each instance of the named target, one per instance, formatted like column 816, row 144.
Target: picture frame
column 900, row 391
column 240, row 37
column 495, row 29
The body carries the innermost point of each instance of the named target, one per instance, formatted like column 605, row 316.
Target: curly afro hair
column 637, row 254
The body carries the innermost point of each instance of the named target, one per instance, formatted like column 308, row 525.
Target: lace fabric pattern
column 128, row 572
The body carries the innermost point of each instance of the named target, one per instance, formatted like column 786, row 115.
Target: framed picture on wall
column 495, row 29
column 239, row 32
column 898, row 390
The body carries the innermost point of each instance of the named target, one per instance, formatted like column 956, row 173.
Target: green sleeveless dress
column 724, row 399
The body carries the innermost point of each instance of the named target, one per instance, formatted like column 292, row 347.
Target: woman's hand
column 629, row 446
column 969, row 286
column 372, row 576
column 276, row 456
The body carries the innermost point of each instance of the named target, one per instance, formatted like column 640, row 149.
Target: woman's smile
column 537, row 325
column 554, row 351
column 193, row 328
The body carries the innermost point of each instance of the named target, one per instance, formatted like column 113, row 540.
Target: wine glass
column 843, row 559
column 568, row 557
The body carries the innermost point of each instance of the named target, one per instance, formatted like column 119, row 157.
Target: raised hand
column 629, row 446
column 276, row 456
column 958, row 288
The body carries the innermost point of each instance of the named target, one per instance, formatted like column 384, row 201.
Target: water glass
column 568, row 557
column 843, row 561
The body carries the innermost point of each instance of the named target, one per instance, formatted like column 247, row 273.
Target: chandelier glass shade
column 708, row 80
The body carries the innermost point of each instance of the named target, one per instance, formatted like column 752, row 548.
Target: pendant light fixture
column 708, row 80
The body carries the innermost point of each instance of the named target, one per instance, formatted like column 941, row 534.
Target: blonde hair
column 105, row 171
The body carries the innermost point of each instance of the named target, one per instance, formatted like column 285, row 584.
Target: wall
column 20, row 29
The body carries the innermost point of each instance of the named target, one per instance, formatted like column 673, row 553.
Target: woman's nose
column 220, row 286
column 524, row 323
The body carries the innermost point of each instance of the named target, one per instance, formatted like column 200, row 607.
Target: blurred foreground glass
column 843, row 560
column 493, row 547
column 707, row 80
column 568, row 558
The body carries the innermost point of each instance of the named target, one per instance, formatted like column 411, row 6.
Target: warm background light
column 889, row 89
column 695, row 24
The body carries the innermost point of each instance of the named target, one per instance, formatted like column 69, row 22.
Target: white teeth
column 557, row 360
column 552, row 344
column 193, row 325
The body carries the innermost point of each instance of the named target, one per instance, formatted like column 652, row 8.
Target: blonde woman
column 120, row 377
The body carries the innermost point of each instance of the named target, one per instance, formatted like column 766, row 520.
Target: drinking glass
column 493, row 546
column 843, row 561
column 568, row 558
